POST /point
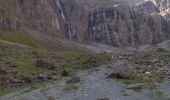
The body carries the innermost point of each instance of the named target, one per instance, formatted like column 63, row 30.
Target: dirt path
column 93, row 86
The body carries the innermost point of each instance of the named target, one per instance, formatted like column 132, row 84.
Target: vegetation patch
column 19, row 36
column 148, row 66
column 20, row 66
column 127, row 92
column 50, row 98
column 70, row 87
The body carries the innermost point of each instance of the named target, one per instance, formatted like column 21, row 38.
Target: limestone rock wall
column 118, row 22
column 37, row 15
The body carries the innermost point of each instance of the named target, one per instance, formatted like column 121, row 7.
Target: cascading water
column 64, row 18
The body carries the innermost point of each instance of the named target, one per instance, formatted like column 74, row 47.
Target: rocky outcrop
column 117, row 22
column 36, row 15
column 121, row 70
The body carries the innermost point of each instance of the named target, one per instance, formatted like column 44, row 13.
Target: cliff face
column 37, row 15
column 111, row 22
column 118, row 22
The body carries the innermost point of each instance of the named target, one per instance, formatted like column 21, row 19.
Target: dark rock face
column 117, row 23
column 36, row 15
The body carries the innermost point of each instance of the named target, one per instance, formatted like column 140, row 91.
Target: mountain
column 33, row 19
column 51, row 40
column 117, row 23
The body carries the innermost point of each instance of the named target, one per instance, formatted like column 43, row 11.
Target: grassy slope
column 19, row 36
column 25, row 58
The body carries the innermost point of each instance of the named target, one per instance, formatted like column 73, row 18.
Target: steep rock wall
column 111, row 22
column 117, row 22
column 36, row 15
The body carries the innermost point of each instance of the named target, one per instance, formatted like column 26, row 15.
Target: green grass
column 19, row 36
column 83, row 60
column 50, row 98
column 144, row 58
column 70, row 87
column 5, row 90
column 24, row 60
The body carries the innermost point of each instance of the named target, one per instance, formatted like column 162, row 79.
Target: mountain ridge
column 111, row 22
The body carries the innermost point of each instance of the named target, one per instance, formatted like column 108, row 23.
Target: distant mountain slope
column 118, row 22
column 32, row 23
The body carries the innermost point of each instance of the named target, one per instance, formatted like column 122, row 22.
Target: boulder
column 16, row 81
column 41, row 64
column 3, row 80
column 2, row 71
column 8, row 70
column 161, row 50
column 105, row 98
column 27, row 79
column 44, row 77
column 74, row 80
column 122, row 70
column 135, row 86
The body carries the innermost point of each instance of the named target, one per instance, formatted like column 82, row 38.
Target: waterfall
column 69, row 30
column 57, row 2
column 65, row 19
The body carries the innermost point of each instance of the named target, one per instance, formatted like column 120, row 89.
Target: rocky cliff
column 112, row 22
column 118, row 22
column 36, row 15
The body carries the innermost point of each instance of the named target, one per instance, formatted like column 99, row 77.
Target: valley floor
column 29, row 67
column 94, row 85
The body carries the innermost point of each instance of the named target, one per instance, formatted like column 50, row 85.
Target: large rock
column 74, row 80
column 44, row 77
column 122, row 70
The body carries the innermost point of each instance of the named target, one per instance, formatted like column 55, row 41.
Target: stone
column 27, row 79
column 122, row 70
column 104, row 98
column 41, row 64
column 2, row 71
column 166, row 71
column 155, row 61
column 44, row 77
column 7, row 70
column 15, row 81
column 148, row 73
column 3, row 80
column 161, row 50
column 74, row 80
column 135, row 86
